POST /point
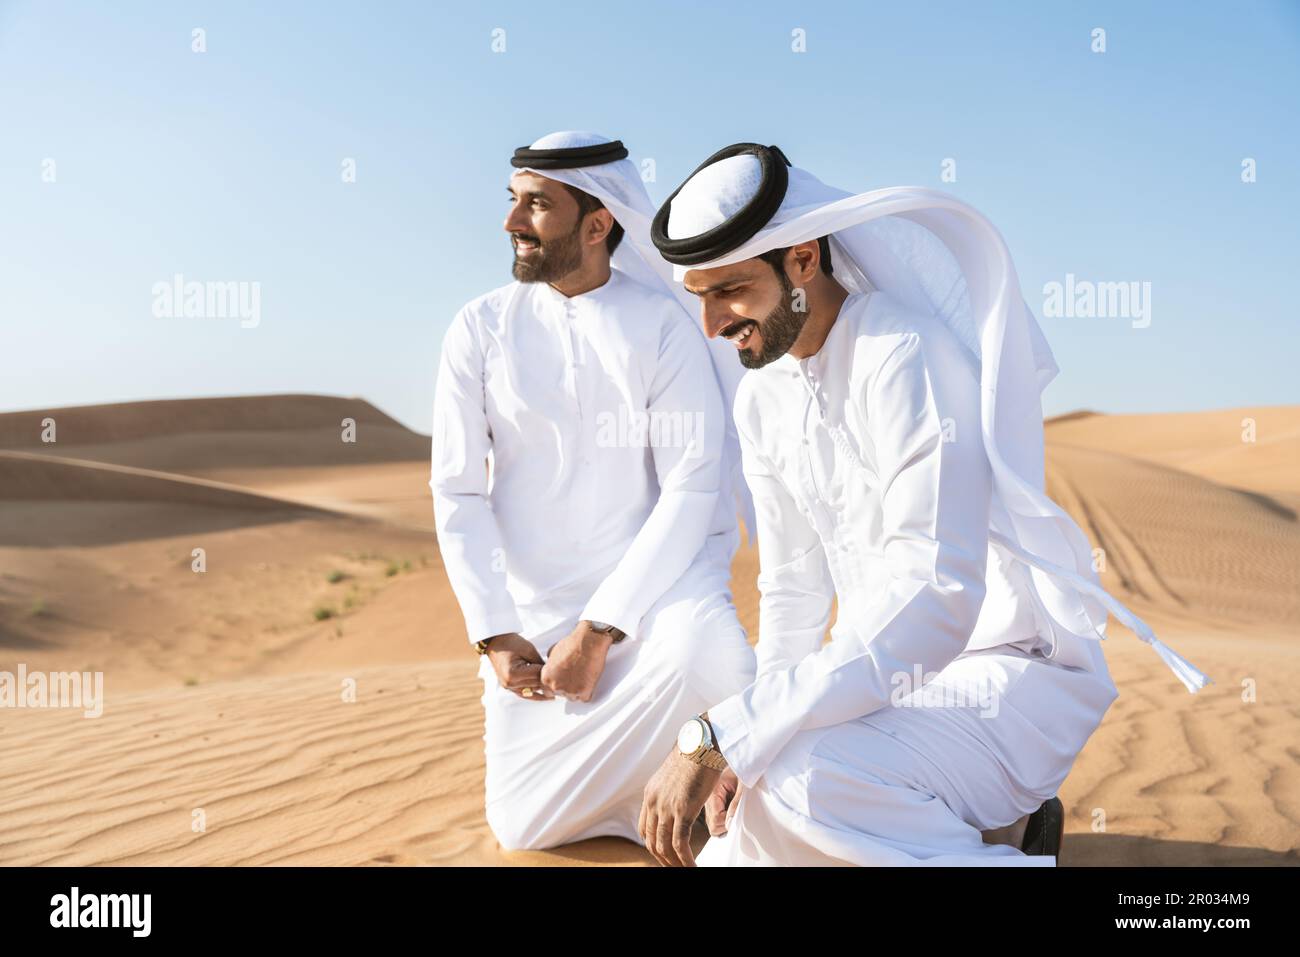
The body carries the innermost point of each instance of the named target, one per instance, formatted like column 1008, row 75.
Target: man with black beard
column 584, row 501
column 557, row 258
column 779, row 329
column 891, row 428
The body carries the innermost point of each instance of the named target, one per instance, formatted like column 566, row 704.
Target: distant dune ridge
column 222, row 435
column 27, row 476
column 122, row 421
column 225, row 688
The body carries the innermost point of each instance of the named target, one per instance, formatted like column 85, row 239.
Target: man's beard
column 554, row 259
column 779, row 328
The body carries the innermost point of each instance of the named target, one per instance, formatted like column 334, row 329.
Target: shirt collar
column 816, row 362
column 599, row 294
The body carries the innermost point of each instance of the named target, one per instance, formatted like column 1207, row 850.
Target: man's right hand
column 518, row 666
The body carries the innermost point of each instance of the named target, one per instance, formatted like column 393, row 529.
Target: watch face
column 691, row 736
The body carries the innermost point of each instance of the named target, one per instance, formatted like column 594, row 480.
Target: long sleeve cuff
column 731, row 733
column 496, row 623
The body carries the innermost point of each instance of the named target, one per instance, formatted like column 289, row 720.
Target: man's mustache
column 736, row 327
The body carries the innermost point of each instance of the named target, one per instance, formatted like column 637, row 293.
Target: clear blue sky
column 225, row 165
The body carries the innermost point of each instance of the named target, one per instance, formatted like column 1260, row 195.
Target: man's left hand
column 670, row 806
column 576, row 663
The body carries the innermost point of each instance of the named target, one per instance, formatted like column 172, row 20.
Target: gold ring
column 527, row 692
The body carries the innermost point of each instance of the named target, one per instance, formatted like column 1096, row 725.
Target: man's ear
column 598, row 226
column 804, row 261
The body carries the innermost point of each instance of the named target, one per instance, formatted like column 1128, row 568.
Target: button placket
column 569, row 339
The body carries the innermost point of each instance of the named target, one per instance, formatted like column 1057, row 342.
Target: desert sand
column 309, row 697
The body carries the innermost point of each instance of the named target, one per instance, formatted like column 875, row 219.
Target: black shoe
column 1045, row 830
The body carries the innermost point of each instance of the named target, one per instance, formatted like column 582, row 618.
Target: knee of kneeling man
column 711, row 648
column 515, row 831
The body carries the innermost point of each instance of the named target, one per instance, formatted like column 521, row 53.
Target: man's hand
column 576, row 662
column 721, row 805
column 518, row 666
column 670, row 805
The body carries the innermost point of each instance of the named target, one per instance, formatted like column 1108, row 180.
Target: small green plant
column 322, row 612
column 406, row 565
column 335, row 577
column 392, row 569
column 39, row 608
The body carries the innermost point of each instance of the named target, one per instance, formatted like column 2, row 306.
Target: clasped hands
column 571, row 671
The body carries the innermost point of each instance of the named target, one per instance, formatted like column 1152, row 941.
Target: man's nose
column 714, row 319
column 515, row 222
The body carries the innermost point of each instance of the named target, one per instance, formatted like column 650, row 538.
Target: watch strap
column 710, row 758
column 707, row 754
column 616, row 635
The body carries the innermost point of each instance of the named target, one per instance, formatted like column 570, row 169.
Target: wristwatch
column 482, row 646
column 696, row 743
column 602, row 628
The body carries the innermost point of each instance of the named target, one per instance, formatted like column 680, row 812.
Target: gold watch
column 696, row 744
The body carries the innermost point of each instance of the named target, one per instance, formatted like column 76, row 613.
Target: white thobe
column 871, row 484
column 603, row 422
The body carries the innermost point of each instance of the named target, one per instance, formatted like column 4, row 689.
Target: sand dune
column 200, row 436
column 1219, row 446
column 287, row 446
column 31, row 477
column 224, row 686
column 1181, row 542
column 128, row 421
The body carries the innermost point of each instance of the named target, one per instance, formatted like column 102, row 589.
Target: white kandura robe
column 871, row 483
column 604, row 424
